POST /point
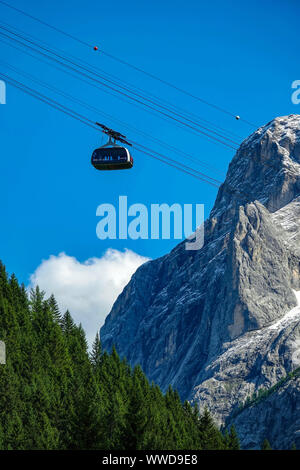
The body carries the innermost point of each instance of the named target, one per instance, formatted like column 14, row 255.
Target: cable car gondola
column 112, row 156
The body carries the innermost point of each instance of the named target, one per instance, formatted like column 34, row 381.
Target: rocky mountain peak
column 220, row 323
column 266, row 168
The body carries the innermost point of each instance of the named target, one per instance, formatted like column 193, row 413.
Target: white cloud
column 89, row 289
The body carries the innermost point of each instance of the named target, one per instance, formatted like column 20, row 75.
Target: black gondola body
column 112, row 157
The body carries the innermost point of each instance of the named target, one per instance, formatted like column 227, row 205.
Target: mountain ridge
column 181, row 315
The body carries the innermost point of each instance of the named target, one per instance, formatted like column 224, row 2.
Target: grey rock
column 276, row 418
column 221, row 322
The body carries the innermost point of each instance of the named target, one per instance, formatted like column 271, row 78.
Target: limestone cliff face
column 277, row 417
column 221, row 322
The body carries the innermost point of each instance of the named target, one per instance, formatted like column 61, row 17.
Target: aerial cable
column 174, row 166
column 48, row 101
column 84, row 43
column 97, row 110
column 213, row 138
column 127, row 90
column 210, row 167
column 212, row 181
column 181, row 110
column 90, row 123
column 181, row 90
column 138, row 69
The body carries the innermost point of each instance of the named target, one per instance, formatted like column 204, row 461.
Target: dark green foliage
column 54, row 309
column 210, row 436
column 266, row 445
column 96, row 353
column 54, row 395
column 233, row 440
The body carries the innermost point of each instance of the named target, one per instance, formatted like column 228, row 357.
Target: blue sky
column 242, row 56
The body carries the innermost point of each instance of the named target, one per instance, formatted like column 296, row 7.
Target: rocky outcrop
column 221, row 322
column 276, row 418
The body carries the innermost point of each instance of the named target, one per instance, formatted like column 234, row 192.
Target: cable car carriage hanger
column 112, row 156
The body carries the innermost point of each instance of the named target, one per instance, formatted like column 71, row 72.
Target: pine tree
column 96, row 353
column 233, row 440
column 36, row 300
column 54, row 309
column 137, row 412
column 210, row 436
column 54, row 395
column 68, row 324
column 266, row 445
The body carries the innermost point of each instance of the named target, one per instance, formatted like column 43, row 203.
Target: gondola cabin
column 112, row 158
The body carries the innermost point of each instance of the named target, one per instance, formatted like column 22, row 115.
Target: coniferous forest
column 54, row 394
